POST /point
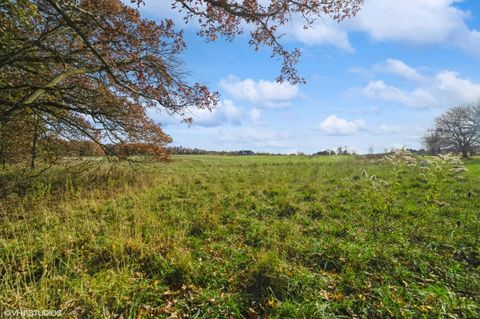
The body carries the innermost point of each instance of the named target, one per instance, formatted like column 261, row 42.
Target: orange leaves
column 112, row 6
column 332, row 296
column 127, row 65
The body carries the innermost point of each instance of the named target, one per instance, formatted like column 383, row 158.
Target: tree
column 458, row 130
column 432, row 142
column 371, row 149
column 92, row 69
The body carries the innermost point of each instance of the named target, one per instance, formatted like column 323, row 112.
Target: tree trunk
column 465, row 152
column 2, row 157
column 2, row 150
column 34, row 142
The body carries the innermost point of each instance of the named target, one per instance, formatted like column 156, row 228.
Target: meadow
column 245, row 237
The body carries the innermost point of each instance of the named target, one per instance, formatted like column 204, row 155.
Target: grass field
column 245, row 237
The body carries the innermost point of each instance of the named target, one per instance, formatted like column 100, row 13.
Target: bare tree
column 371, row 149
column 459, row 129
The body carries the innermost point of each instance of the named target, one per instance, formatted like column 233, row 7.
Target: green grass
column 244, row 237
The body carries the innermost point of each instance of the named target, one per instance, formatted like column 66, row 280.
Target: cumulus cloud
column 224, row 113
column 470, row 42
column 325, row 32
column 400, row 68
column 390, row 66
column 442, row 89
column 418, row 98
column 262, row 93
column 455, row 89
column 419, row 22
column 334, row 125
column 413, row 21
column 256, row 116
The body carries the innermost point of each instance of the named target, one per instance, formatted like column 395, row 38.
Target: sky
column 377, row 80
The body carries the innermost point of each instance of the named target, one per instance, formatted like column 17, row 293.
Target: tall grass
column 244, row 237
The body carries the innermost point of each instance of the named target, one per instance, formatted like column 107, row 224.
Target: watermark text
column 31, row 313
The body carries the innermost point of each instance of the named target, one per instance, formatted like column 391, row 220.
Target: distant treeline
column 50, row 148
column 180, row 150
column 345, row 151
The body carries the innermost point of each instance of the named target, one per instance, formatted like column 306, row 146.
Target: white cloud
column 390, row 66
column 325, row 32
column 446, row 88
column 454, row 89
column 224, row 113
column 412, row 21
column 418, row 98
column 471, row 42
column 261, row 93
column 256, row 116
column 397, row 67
column 334, row 125
column 417, row 22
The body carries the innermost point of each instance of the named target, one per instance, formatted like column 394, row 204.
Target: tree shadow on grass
column 19, row 183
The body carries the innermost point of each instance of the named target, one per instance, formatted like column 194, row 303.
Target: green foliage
column 246, row 237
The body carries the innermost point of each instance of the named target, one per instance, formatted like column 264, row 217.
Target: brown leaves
column 332, row 296
column 116, row 65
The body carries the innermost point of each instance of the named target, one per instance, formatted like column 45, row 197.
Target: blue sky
column 377, row 80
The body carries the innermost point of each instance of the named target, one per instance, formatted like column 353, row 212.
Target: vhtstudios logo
column 30, row 313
